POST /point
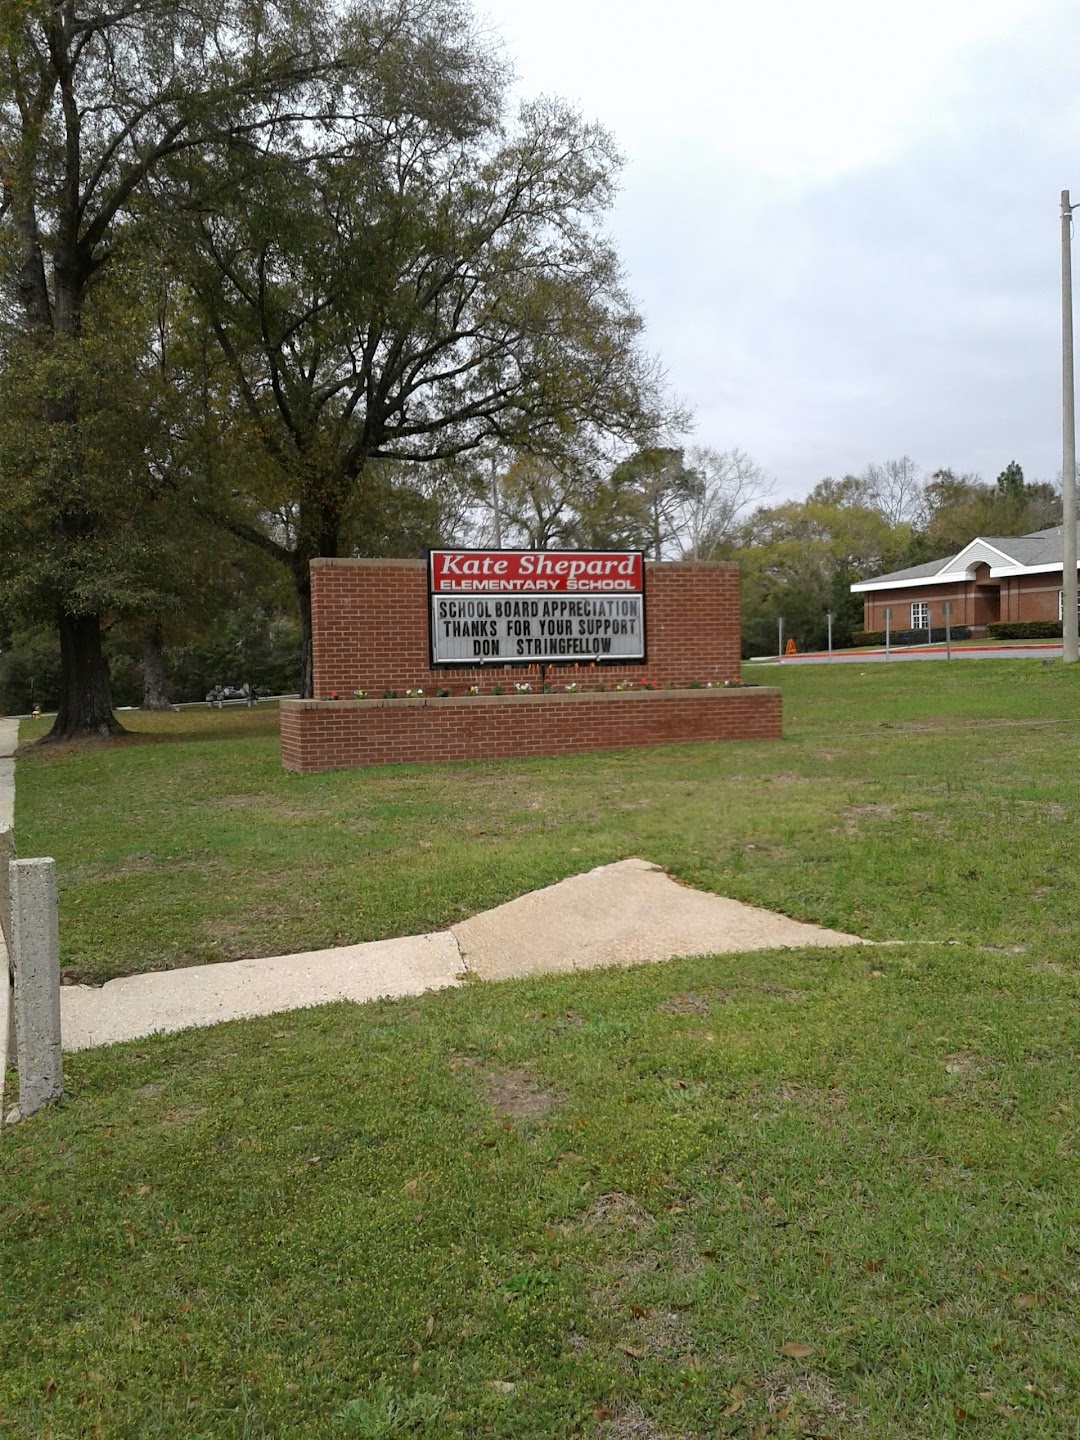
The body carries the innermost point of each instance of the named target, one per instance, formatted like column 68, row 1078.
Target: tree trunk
column 155, row 689
column 85, row 696
column 325, row 543
column 302, row 579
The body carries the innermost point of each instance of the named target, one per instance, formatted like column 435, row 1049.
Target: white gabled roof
column 980, row 552
column 1031, row 554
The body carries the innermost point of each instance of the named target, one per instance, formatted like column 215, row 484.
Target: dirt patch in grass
column 46, row 749
column 517, row 1094
column 617, row 1211
column 98, row 872
column 782, row 992
column 696, row 1002
column 824, row 1102
column 630, row 1422
column 184, row 1114
column 230, row 934
column 686, row 1005
column 812, row 1400
column 1052, row 808
column 661, row 1333
column 855, row 814
column 963, row 1063
column 143, row 862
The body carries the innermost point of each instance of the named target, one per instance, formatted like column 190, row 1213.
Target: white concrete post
column 36, row 946
column 7, row 973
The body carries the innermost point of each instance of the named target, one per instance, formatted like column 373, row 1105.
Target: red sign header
column 536, row 571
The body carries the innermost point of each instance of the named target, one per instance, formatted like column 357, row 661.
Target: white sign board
column 535, row 608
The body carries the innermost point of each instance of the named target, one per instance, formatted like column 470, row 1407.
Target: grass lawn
column 811, row 1194
column 899, row 806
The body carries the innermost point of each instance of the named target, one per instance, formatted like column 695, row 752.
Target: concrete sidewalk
column 167, row 1000
column 629, row 913
column 9, row 739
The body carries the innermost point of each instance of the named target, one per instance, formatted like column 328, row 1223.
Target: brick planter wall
column 345, row 734
column 369, row 621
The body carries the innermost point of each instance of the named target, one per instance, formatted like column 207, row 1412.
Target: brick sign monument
column 487, row 654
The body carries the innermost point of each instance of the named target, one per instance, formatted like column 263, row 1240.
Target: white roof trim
column 1002, row 570
column 997, row 572
column 949, row 577
column 958, row 557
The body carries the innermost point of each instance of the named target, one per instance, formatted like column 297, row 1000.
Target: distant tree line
column 798, row 560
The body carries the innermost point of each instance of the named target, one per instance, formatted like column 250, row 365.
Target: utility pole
column 1068, row 445
column 495, row 501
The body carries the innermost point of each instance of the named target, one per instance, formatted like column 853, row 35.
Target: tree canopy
column 371, row 261
column 434, row 285
column 95, row 102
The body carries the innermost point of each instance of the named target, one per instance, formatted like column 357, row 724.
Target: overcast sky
column 840, row 220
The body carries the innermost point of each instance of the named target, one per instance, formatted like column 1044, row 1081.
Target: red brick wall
column 1023, row 597
column 971, row 605
column 1033, row 597
column 337, row 734
column 369, row 622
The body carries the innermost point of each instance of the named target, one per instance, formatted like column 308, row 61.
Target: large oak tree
column 96, row 100
column 427, row 282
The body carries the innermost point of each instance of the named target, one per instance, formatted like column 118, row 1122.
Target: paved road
column 925, row 652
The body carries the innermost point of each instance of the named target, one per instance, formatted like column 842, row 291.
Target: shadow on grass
column 151, row 728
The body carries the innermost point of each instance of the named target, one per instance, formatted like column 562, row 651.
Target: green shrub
column 249, row 644
column 1024, row 629
column 29, row 671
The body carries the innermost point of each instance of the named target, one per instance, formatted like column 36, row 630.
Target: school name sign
column 536, row 607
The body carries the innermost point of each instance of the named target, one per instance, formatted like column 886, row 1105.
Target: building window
column 1061, row 605
column 920, row 615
